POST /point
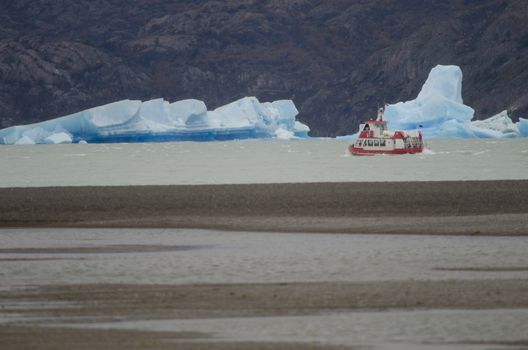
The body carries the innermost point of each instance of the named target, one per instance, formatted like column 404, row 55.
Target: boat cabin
column 373, row 128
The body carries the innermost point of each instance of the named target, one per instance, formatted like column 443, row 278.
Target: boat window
column 382, row 143
column 366, row 128
column 370, row 142
column 376, row 143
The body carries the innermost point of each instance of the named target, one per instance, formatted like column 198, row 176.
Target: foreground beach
column 111, row 303
column 443, row 207
column 194, row 267
column 144, row 288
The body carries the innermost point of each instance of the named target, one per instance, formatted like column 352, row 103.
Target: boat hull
column 356, row 151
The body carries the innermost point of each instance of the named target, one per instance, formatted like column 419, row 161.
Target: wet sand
column 60, row 316
column 40, row 317
column 455, row 207
column 23, row 338
column 71, row 304
column 147, row 301
column 96, row 303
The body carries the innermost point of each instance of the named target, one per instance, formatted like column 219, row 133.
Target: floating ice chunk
column 36, row 133
column 287, row 112
column 440, row 100
column 283, row 134
column 443, row 82
column 11, row 135
column 207, row 120
column 439, row 112
column 457, row 129
column 449, row 129
column 500, row 123
column 58, row 138
column 498, row 126
column 300, row 130
column 483, row 133
column 110, row 114
column 246, row 112
column 154, row 116
column 523, row 127
column 158, row 120
column 25, row 140
column 180, row 111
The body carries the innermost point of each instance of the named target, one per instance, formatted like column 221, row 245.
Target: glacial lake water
column 255, row 161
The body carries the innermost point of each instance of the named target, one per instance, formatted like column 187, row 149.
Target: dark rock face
column 336, row 59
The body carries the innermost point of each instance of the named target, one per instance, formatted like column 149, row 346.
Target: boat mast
column 381, row 112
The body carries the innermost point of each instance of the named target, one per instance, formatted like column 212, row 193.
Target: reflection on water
column 178, row 256
column 255, row 162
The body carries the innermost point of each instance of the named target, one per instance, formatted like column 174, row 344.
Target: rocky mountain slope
column 336, row 59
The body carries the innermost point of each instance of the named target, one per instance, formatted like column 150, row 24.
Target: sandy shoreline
column 461, row 207
column 81, row 304
column 448, row 208
column 56, row 338
column 147, row 301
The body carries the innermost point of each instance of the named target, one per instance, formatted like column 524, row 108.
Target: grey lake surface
column 255, row 161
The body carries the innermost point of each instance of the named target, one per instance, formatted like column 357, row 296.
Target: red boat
column 375, row 138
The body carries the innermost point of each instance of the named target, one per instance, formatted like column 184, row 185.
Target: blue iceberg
column 440, row 112
column 439, row 101
column 523, row 127
column 158, row 120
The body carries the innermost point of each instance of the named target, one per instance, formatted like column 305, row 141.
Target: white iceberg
column 439, row 101
column 158, row 120
column 25, row 140
column 440, row 112
column 58, row 138
column 499, row 125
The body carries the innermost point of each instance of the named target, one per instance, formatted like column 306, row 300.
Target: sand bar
column 452, row 207
column 79, row 304
column 146, row 301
